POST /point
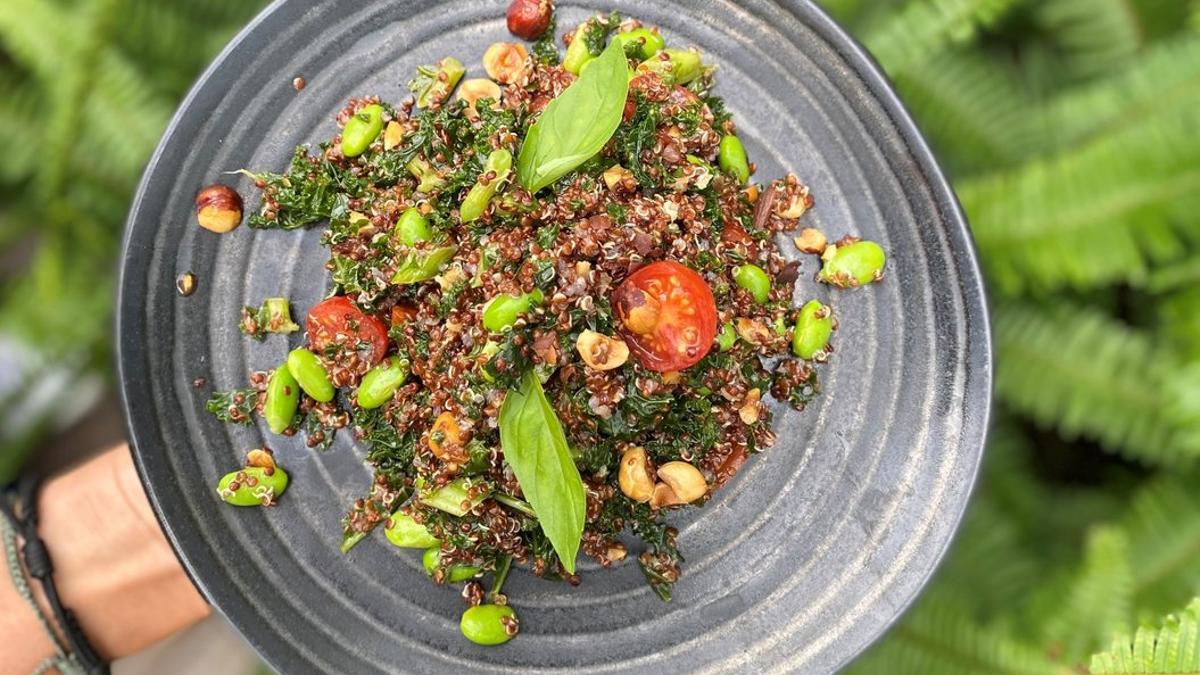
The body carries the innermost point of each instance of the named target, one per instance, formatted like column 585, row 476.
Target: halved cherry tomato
column 338, row 321
column 668, row 316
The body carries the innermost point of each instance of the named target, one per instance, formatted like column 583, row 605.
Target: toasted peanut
column 445, row 432
column 393, row 134
column 261, row 458
column 505, row 62
column 811, row 240
column 685, row 480
column 476, row 90
column 600, row 351
column 634, row 475
column 663, row 495
column 751, row 410
column 218, row 208
column 616, row 176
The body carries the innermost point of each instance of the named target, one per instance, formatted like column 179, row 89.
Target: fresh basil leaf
column 578, row 123
column 420, row 266
column 536, row 448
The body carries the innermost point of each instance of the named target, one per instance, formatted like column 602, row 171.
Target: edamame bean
column 405, row 532
column 412, row 228
column 253, row 486
column 814, row 325
column 727, row 337
column 685, row 65
column 361, row 130
column 498, row 166
column 310, row 374
column 441, row 78
column 381, row 382
column 854, row 264
column 754, row 280
column 577, row 52
column 731, row 155
column 485, row 624
column 454, row 574
column 503, row 310
column 649, row 43
column 283, row 397
column 452, row 497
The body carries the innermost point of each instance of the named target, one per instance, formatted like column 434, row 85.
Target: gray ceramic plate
column 798, row 564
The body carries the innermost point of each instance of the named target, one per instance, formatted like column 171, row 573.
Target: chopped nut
column 473, row 91
column 752, row 194
column 663, row 495
column 751, row 407
column 754, row 332
column 685, row 481
column 811, row 240
column 506, row 62
column 261, row 458
column 634, row 475
column 392, row 135
column 616, row 176
column 616, row 552
column 218, row 208
column 600, row 351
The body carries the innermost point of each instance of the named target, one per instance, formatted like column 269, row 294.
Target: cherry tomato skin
column 337, row 316
column 668, row 316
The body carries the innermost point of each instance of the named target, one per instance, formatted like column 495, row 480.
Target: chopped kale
column 235, row 406
column 273, row 316
column 306, row 194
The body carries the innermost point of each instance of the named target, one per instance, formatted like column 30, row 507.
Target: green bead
column 727, row 337
column 648, row 42
column 361, row 130
column 754, row 280
column 252, row 486
column 283, row 398
column 731, row 156
column 482, row 624
column 412, row 228
column 814, row 325
column 432, row 559
column 310, row 374
column 502, row 311
column 854, row 264
column 405, row 532
column 381, row 382
column 473, row 207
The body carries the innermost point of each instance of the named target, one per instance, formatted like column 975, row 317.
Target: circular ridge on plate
column 799, row 563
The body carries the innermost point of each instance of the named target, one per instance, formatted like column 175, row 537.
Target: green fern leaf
column 37, row 34
column 1093, row 36
column 910, row 36
column 1163, row 529
column 1084, row 374
column 1173, row 648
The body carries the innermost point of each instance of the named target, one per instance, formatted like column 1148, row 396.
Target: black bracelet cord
column 39, row 566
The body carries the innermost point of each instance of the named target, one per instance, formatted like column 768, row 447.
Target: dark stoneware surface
column 797, row 565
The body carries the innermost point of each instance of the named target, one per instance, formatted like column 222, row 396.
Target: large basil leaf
column 536, row 448
column 576, row 124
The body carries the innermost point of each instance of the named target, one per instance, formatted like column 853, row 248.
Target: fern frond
column 1094, row 36
column 1163, row 529
column 1173, row 648
column 1097, row 603
column 19, row 122
column 1084, row 374
column 1092, row 216
column 1179, row 315
column 911, row 35
column 939, row 637
column 37, row 34
column 125, row 117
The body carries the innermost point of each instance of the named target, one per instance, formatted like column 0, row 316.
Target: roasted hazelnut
column 616, row 552
column 528, row 19
column 634, row 475
column 476, row 90
column 393, row 134
column 261, row 458
column 811, row 240
column 219, row 208
column 600, row 351
column 750, row 410
column 617, row 176
column 754, row 332
column 506, row 62
column 663, row 495
column 685, row 480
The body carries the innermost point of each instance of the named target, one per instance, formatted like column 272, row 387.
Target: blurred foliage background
column 1071, row 129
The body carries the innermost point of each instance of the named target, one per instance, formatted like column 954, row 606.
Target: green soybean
column 454, row 574
column 754, row 280
column 483, row 624
column 361, row 130
column 283, row 397
column 648, row 42
column 412, row 228
column 418, row 266
column 503, row 310
column 731, row 155
column 452, row 496
column 499, row 164
column 854, row 264
column 685, row 65
column 310, row 374
column 578, row 53
column 252, row 486
column 405, row 532
column 423, row 171
column 727, row 337
column 438, row 80
column 381, row 382
column 814, row 325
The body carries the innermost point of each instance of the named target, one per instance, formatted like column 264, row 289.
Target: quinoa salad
column 559, row 306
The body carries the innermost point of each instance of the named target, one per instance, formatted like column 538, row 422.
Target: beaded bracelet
column 77, row 656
